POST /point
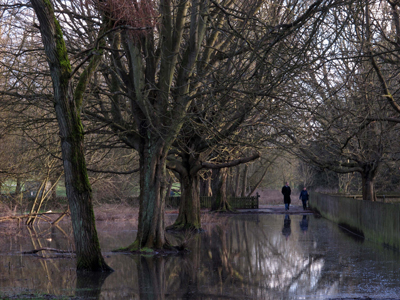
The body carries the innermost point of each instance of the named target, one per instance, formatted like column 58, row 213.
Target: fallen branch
column 65, row 213
column 42, row 215
column 47, row 249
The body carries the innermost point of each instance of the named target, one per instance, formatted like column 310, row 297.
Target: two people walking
column 286, row 191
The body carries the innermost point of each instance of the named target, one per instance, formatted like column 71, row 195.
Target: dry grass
column 5, row 210
column 117, row 215
column 112, row 212
column 9, row 228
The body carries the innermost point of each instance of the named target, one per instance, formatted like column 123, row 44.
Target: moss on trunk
column 79, row 192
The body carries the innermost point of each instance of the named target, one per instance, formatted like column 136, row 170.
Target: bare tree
column 341, row 121
column 68, row 102
column 226, row 58
column 162, row 60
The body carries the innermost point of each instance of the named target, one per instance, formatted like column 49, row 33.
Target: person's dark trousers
column 304, row 204
column 287, row 206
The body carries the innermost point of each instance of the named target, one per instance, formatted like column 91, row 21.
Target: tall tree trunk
column 169, row 188
column 231, row 183
column 79, row 194
column 189, row 168
column 18, row 187
column 205, row 186
column 220, row 201
column 244, row 180
column 237, row 180
column 368, row 182
column 67, row 105
column 18, row 196
column 151, row 230
column 215, row 183
column 189, row 208
column 253, row 189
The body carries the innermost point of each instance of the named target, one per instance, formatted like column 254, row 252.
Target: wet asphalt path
column 278, row 210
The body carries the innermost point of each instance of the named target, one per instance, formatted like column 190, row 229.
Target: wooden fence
column 235, row 202
column 376, row 221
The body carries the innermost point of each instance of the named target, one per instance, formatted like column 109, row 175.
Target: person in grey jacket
column 304, row 197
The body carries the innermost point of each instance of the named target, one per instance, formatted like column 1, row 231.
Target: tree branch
column 207, row 165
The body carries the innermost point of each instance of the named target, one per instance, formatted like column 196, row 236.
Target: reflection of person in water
column 286, row 231
column 304, row 224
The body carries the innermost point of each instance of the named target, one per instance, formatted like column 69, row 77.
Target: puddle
column 250, row 257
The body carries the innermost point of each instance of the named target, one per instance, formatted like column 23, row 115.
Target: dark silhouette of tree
column 342, row 122
column 67, row 103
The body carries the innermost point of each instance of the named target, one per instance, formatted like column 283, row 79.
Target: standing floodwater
column 247, row 257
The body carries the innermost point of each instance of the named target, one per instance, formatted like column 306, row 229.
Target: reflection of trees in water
column 242, row 259
column 46, row 271
column 151, row 273
column 248, row 257
column 89, row 284
column 184, row 271
column 40, row 272
column 205, row 272
column 258, row 259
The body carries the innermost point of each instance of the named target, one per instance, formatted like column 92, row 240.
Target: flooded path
column 247, row 256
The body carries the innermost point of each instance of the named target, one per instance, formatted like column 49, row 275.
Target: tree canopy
column 191, row 86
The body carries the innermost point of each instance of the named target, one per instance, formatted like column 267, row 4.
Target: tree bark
column 244, row 180
column 151, row 231
column 220, row 201
column 205, row 186
column 79, row 192
column 168, row 192
column 368, row 182
column 189, row 208
column 237, row 180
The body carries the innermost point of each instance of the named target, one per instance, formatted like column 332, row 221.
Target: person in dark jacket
column 286, row 191
column 304, row 197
